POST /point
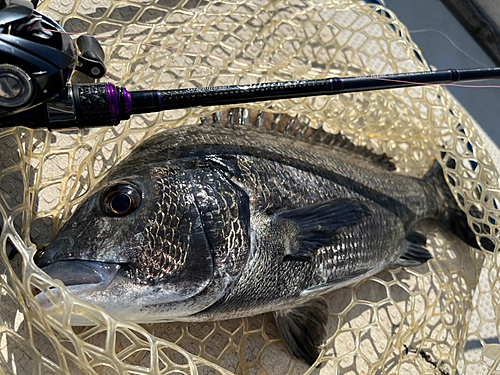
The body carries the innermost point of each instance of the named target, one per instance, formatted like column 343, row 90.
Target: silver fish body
column 222, row 220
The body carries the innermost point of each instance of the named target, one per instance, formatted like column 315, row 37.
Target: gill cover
column 193, row 270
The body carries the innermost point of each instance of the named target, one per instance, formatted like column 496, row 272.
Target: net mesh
column 428, row 319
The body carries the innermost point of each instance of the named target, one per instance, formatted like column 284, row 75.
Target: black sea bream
column 243, row 214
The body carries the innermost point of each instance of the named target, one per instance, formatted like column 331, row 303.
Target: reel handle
column 91, row 58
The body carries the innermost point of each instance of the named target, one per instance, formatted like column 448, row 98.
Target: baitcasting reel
column 37, row 58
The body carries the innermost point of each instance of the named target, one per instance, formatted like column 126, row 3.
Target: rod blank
column 152, row 101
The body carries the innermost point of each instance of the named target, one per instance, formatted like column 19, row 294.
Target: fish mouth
column 82, row 275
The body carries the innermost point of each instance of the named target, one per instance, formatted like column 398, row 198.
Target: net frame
column 414, row 320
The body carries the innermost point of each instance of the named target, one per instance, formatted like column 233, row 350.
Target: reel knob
column 16, row 87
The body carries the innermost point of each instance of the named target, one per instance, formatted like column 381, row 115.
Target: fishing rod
column 37, row 59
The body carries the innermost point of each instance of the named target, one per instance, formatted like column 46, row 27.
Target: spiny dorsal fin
column 292, row 127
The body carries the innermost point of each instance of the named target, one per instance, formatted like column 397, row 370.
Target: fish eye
column 120, row 200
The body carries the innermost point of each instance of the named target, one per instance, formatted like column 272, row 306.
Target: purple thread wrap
column 159, row 99
column 336, row 81
column 128, row 102
column 114, row 107
column 454, row 75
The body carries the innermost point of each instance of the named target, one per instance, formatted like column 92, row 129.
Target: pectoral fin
column 318, row 225
column 303, row 328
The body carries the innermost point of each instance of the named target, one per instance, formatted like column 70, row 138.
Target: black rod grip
column 101, row 104
column 92, row 105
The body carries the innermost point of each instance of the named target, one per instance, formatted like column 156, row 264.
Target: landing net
column 435, row 318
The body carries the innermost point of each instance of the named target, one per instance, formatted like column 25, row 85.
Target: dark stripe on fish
column 394, row 206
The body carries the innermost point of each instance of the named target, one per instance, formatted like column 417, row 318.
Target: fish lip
column 82, row 274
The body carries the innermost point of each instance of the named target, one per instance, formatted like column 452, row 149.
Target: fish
column 245, row 213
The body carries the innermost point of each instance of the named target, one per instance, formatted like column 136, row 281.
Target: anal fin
column 414, row 253
column 303, row 328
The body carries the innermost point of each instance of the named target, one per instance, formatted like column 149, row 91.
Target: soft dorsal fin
column 291, row 126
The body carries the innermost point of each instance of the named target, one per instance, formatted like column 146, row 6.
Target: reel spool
column 16, row 87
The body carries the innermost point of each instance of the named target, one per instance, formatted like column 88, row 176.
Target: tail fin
column 452, row 217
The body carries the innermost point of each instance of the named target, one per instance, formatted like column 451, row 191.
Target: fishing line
column 433, row 84
column 449, row 40
column 172, row 49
